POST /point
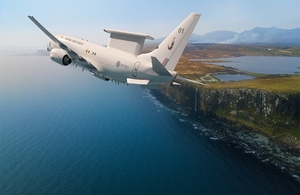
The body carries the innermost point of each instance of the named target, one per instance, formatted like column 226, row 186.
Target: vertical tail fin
column 170, row 50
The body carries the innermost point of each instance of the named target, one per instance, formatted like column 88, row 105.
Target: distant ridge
column 37, row 53
column 257, row 35
column 267, row 35
column 214, row 37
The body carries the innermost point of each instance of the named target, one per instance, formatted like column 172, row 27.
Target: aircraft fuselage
column 110, row 65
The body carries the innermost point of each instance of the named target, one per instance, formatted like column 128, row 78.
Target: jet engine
column 60, row 56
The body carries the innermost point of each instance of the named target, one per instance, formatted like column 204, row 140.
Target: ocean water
column 63, row 131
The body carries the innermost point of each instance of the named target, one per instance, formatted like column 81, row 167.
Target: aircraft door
column 135, row 69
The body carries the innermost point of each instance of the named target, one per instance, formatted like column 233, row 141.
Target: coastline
column 253, row 143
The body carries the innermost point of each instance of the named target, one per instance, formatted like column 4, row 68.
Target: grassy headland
column 276, row 84
column 270, row 84
column 196, row 69
column 225, row 50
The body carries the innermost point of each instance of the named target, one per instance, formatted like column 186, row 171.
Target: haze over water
column 65, row 132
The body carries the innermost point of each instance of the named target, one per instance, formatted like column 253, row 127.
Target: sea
column 63, row 131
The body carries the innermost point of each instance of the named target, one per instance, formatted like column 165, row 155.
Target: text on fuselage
column 74, row 41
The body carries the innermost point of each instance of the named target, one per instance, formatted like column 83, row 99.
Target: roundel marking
column 118, row 64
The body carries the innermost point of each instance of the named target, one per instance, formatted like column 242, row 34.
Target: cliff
column 273, row 114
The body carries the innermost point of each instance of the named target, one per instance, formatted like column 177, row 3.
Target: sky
column 157, row 18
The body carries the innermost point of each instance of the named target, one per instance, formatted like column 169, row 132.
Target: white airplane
column 122, row 60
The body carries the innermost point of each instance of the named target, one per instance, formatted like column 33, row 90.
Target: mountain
column 257, row 35
column 267, row 35
column 213, row 37
column 25, row 53
column 40, row 53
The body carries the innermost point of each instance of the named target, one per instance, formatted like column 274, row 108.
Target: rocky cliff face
column 273, row 114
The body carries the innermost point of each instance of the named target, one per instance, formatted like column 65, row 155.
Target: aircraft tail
column 170, row 50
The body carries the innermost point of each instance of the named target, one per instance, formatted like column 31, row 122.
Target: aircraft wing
column 63, row 46
column 72, row 54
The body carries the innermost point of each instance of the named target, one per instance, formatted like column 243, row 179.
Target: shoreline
column 256, row 144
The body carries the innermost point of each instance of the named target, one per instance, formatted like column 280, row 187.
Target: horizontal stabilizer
column 137, row 81
column 159, row 68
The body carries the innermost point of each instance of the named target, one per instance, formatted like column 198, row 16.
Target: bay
column 261, row 64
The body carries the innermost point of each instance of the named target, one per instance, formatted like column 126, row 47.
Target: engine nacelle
column 60, row 56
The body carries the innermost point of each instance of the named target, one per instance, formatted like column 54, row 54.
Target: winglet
column 159, row 68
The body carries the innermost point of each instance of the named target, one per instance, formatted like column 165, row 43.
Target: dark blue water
column 65, row 132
